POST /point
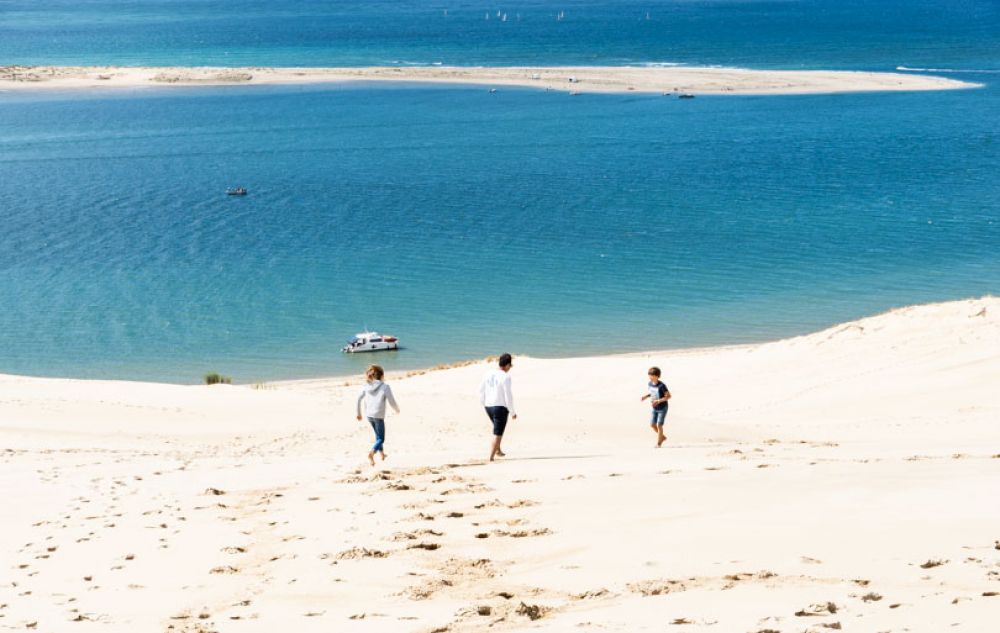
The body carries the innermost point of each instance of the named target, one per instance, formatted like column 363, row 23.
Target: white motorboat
column 370, row 342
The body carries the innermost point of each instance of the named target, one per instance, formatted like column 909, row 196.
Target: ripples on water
column 467, row 222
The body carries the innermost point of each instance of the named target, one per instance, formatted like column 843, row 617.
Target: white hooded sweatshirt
column 375, row 394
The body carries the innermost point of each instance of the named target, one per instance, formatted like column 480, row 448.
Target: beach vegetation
column 214, row 378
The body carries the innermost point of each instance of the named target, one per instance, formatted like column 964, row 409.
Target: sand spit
column 837, row 481
column 583, row 79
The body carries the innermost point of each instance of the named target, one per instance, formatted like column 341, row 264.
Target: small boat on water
column 370, row 342
column 685, row 95
column 236, row 191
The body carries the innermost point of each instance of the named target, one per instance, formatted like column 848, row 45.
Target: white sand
column 815, row 471
column 666, row 80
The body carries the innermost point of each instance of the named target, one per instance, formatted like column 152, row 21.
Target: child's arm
column 360, row 398
column 389, row 397
column 664, row 396
column 644, row 397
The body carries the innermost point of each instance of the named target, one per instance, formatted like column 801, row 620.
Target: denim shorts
column 658, row 417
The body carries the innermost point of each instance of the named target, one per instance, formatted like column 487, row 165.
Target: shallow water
column 467, row 222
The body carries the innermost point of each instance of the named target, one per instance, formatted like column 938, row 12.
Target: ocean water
column 755, row 33
column 466, row 222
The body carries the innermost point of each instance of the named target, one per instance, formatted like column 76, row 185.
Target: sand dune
column 583, row 79
column 841, row 480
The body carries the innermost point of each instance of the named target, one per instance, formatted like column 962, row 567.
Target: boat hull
column 371, row 347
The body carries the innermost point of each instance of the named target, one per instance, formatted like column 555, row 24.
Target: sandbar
column 668, row 80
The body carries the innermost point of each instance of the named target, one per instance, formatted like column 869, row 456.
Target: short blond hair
column 374, row 372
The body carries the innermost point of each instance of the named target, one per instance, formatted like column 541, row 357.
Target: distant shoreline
column 572, row 79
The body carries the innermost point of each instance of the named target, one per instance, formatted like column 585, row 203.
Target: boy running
column 658, row 395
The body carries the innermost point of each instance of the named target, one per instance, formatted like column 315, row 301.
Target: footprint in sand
column 522, row 503
column 523, row 533
column 361, row 552
column 426, row 546
column 931, row 563
column 224, row 569
column 411, row 536
column 817, row 610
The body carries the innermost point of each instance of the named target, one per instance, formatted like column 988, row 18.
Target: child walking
column 658, row 395
column 375, row 394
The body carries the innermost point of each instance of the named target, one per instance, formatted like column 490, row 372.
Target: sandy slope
column 667, row 80
column 848, row 477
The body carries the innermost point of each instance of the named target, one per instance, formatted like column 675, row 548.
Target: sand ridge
column 835, row 481
column 671, row 80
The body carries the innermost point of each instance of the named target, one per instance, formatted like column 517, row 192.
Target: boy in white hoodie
column 375, row 394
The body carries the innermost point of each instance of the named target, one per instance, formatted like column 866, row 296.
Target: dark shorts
column 498, row 415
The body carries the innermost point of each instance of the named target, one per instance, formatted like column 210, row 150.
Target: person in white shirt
column 496, row 397
column 375, row 395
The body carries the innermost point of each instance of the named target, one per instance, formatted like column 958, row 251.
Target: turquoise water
column 467, row 222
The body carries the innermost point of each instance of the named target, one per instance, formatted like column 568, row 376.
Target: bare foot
column 371, row 458
column 383, row 455
column 501, row 454
column 661, row 440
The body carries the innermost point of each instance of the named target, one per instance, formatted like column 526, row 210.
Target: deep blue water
column 467, row 222
column 877, row 34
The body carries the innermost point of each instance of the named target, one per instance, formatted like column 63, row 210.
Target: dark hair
column 505, row 360
column 654, row 371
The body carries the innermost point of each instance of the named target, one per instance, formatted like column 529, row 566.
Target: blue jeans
column 378, row 425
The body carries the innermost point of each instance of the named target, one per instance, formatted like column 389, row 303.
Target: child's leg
column 378, row 425
column 656, row 421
